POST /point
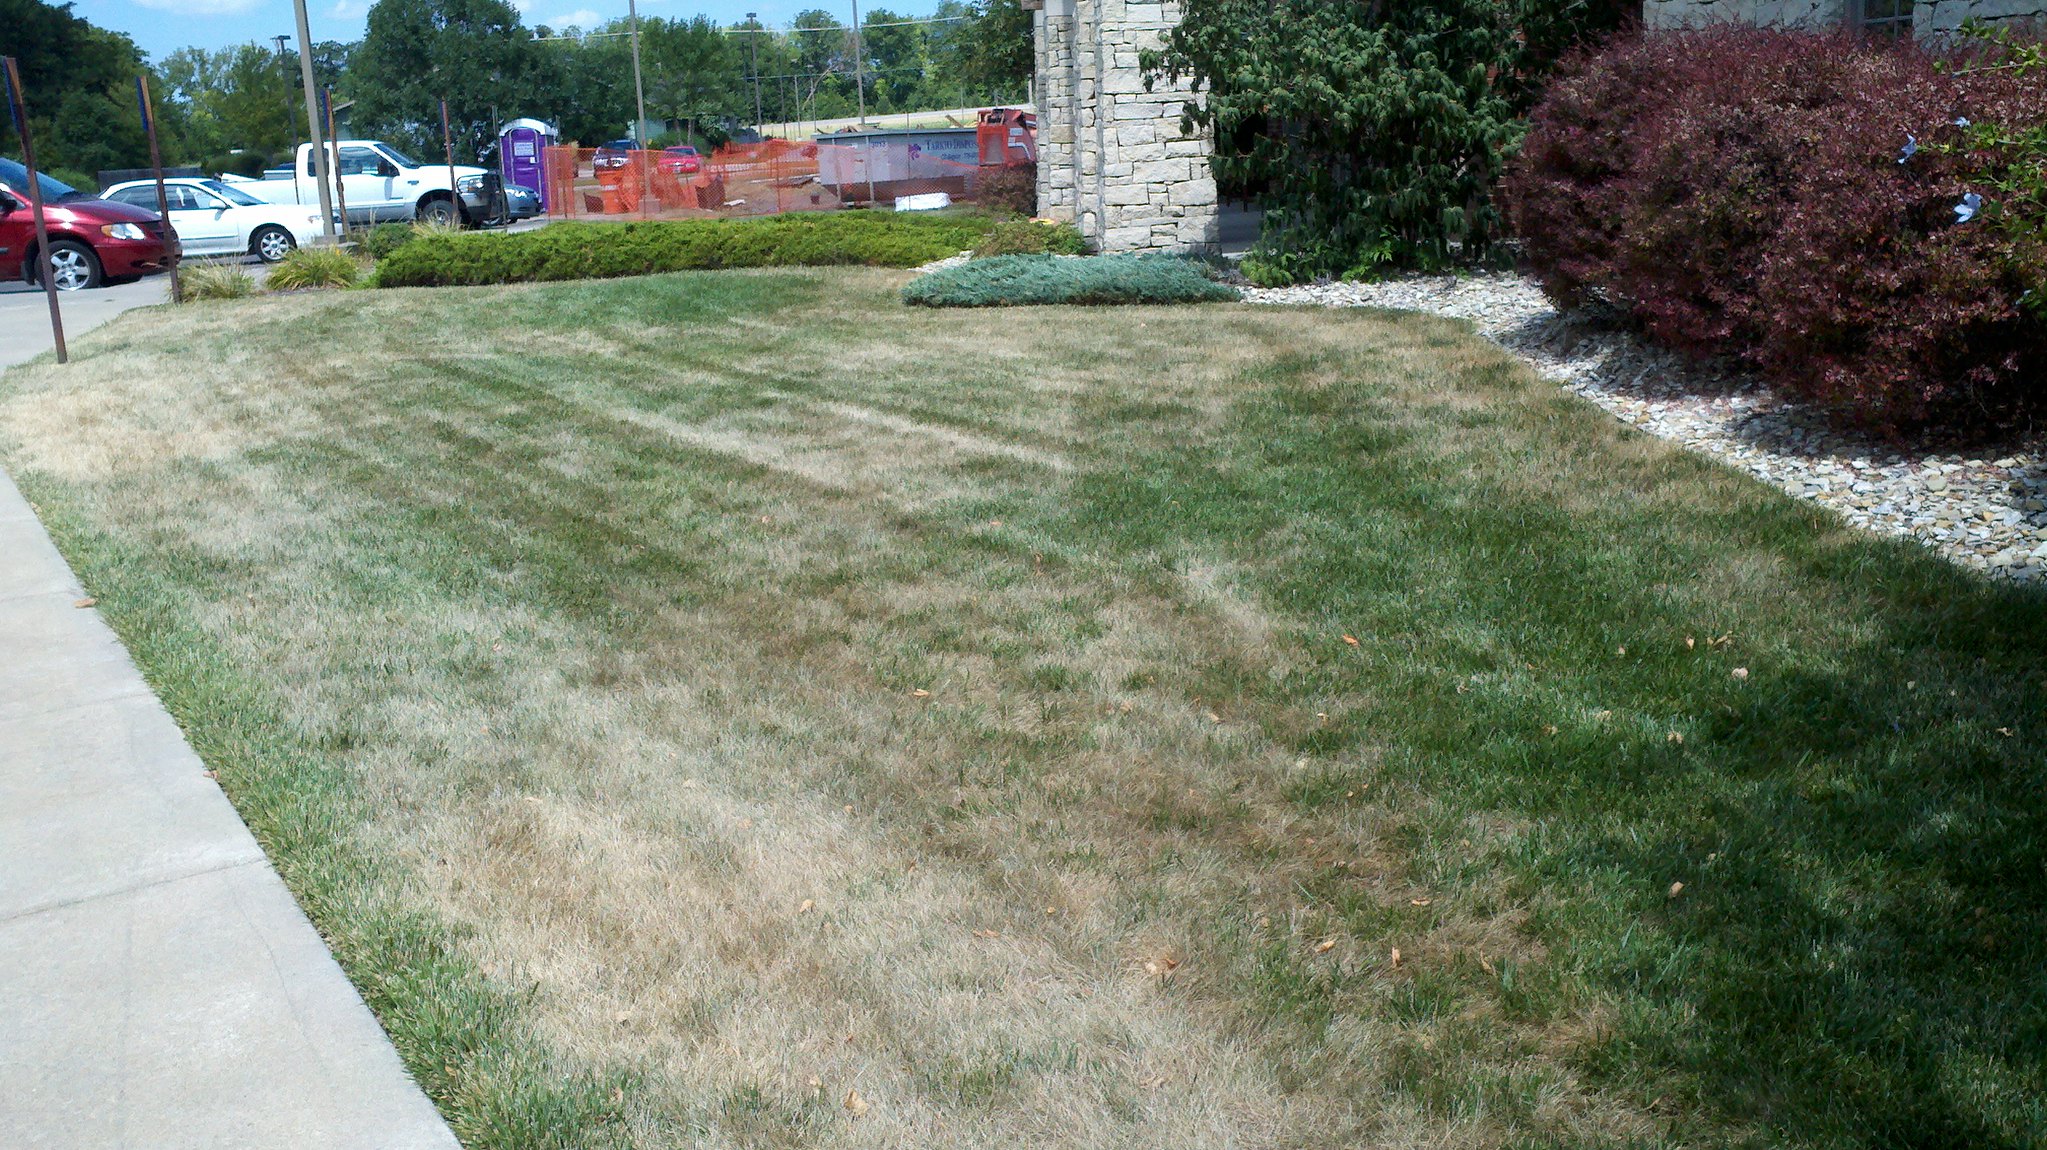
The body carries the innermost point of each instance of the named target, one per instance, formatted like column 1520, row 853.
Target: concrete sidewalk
column 159, row 989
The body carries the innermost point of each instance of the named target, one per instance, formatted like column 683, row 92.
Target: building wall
column 1929, row 17
column 1111, row 156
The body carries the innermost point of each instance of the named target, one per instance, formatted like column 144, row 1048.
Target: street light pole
column 313, row 123
column 639, row 90
column 859, row 65
column 753, row 42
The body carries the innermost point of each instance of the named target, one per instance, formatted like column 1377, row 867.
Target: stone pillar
column 1112, row 158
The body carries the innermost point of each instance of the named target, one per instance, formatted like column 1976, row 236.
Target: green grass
column 816, row 695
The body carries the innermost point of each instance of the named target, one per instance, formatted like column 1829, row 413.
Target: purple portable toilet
column 522, row 157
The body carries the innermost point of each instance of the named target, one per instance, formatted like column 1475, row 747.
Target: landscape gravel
column 1984, row 510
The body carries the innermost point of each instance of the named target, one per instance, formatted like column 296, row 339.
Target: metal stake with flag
column 19, row 115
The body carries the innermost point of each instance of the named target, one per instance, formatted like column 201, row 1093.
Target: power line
column 788, row 30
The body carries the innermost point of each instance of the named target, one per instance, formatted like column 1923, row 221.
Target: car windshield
column 400, row 158
column 232, row 194
column 682, row 150
column 54, row 191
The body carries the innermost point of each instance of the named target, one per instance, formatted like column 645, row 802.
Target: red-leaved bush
column 1741, row 192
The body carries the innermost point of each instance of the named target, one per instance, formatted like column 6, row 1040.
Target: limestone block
column 1194, row 193
column 1130, row 135
column 1126, row 239
column 1186, row 148
column 1126, row 194
column 1118, row 171
column 1164, row 171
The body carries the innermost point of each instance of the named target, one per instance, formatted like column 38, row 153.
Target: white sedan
column 215, row 219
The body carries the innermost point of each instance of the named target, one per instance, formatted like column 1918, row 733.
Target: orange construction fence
column 758, row 179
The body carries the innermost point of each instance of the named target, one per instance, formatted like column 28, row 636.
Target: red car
column 681, row 160
column 91, row 241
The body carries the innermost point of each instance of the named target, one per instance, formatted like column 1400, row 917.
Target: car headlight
column 123, row 232
column 469, row 183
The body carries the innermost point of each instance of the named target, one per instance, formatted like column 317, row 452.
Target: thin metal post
column 320, row 164
column 340, row 192
column 163, row 199
column 754, row 45
column 448, row 142
column 35, row 205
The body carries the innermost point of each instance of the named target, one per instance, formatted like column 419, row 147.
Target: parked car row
column 119, row 236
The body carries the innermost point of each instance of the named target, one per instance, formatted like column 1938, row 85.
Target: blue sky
column 163, row 26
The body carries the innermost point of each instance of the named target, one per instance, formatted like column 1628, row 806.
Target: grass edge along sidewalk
column 1197, row 670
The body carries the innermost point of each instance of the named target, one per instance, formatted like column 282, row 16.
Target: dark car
column 614, row 155
column 92, row 241
column 681, row 160
column 521, row 203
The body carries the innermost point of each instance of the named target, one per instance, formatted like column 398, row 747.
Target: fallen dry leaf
column 1549, row 728
column 1394, row 958
column 1419, row 901
column 211, row 774
column 86, row 602
column 1325, row 946
column 1621, row 651
column 806, row 908
column 855, row 1104
column 1351, row 639
column 920, row 693
column 1676, row 888
column 987, row 934
column 1689, row 644
column 1739, row 674
column 2005, row 731
column 1674, row 737
column 1214, row 718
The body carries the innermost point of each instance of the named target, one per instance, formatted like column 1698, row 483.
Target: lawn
column 734, row 709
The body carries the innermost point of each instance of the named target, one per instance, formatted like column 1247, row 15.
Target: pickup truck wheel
column 271, row 244
column 73, row 266
column 440, row 212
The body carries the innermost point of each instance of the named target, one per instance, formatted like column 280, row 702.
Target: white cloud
column 345, row 10
column 202, row 7
column 580, row 18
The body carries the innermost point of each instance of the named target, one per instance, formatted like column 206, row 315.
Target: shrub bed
column 1007, row 281
column 604, row 251
column 1031, row 238
column 304, row 269
column 1848, row 219
column 383, row 239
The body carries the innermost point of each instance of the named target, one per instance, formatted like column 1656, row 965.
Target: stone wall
column 1111, row 156
column 1930, row 18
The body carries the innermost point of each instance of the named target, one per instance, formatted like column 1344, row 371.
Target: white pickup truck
column 380, row 183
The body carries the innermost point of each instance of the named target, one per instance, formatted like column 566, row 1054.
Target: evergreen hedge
column 1008, row 281
column 605, row 251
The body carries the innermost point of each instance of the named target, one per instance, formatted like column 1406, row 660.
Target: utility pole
column 320, row 164
column 859, row 65
column 753, row 42
column 284, row 87
column 632, row 8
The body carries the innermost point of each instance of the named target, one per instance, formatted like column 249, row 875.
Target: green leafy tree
column 78, row 87
column 1373, row 131
column 995, row 56
column 415, row 53
column 693, row 73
